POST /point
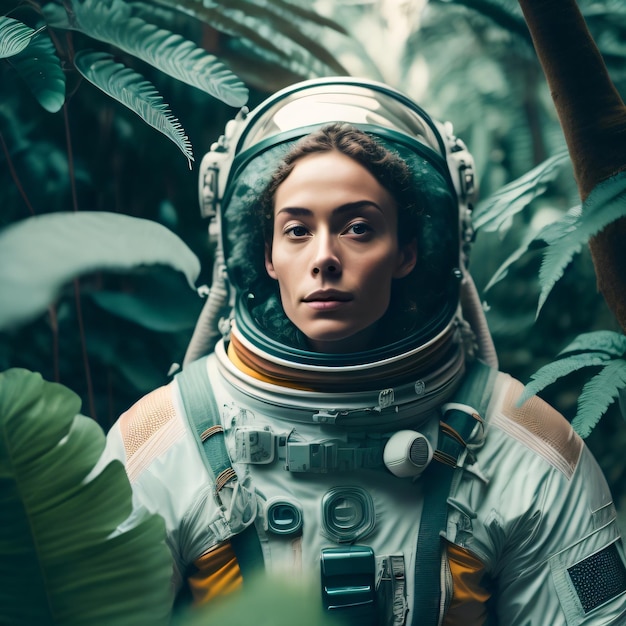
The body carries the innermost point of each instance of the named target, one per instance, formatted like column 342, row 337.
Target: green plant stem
column 70, row 157
column 81, row 329
column 14, row 175
column 79, row 309
column 54, row 325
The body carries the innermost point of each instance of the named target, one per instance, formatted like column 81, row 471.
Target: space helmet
column 437, row 296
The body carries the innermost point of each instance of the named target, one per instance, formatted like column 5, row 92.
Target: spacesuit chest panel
column 321, row 490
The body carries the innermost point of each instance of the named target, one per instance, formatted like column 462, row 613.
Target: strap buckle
column 452, row 445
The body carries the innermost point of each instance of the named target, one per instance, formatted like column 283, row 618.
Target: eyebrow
column 344, row 208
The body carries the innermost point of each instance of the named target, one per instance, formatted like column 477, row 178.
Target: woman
column 342, row 424
column 334, row 248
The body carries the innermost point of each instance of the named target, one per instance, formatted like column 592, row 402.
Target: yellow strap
column 468, row 606
column 216, row 573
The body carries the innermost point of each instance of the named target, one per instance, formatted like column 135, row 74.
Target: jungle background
column 112, row 328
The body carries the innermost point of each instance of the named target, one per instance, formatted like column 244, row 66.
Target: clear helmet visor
column 316, row 103
column 254, row 148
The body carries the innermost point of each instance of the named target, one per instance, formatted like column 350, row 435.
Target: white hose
column 207, row 332
column 475, row 316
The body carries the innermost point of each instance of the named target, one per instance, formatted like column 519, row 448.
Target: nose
column 326, row 260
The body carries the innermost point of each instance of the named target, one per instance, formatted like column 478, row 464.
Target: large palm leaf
column 39, row 255
column 64, row 558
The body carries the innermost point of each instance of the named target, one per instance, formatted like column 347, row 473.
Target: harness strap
column 456, row 426
column 202, row 414
column 203, row 417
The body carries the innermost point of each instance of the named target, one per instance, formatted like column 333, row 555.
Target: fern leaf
column 554, row 231
column 285, row 34
column 597, row 395
column 505, row 14
column 605, row 204
column 557, row 257
column 607, row 341
column 265, row 11
column 40, row 68
column 221, row 22
column 496, row 212
column 257, row 24
column 180, row 58
column 503, row 270
column 134, row 92
column 291, row 22
column 302, row 14
column 297, row 63
column 551, row 372
column 14, row 36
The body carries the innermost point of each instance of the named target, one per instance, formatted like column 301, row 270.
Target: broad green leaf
column 39, row 255
column 612, row 343
column 112, row 22
column 142, row 301
column 551, row 372
column 56, row 16
column 605, row 204
column 598, row 394
column 497, row 211
column 134, row 92
column 14, row 36
column 72, row 551
column 40, row 67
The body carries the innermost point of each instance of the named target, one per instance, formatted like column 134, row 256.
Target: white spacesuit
column 405, row 478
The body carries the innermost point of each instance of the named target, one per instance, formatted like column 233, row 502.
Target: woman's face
column 335, row 250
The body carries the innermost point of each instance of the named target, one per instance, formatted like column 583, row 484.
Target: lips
column 327, row 295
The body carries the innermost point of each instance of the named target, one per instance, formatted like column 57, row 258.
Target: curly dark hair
column 387, row 167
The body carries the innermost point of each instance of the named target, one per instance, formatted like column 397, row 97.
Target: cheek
column 286, row 272
column 379, row 269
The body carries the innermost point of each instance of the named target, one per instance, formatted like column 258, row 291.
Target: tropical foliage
column 106, row 104
column 503, row 110
column 482, row 73
column 102, row 287
column 65, row 559
column 601, row 349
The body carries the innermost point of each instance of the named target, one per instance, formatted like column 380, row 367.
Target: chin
column 340, row 340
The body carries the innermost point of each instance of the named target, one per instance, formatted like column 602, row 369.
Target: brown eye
column 296, row 231
column 359, row 228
